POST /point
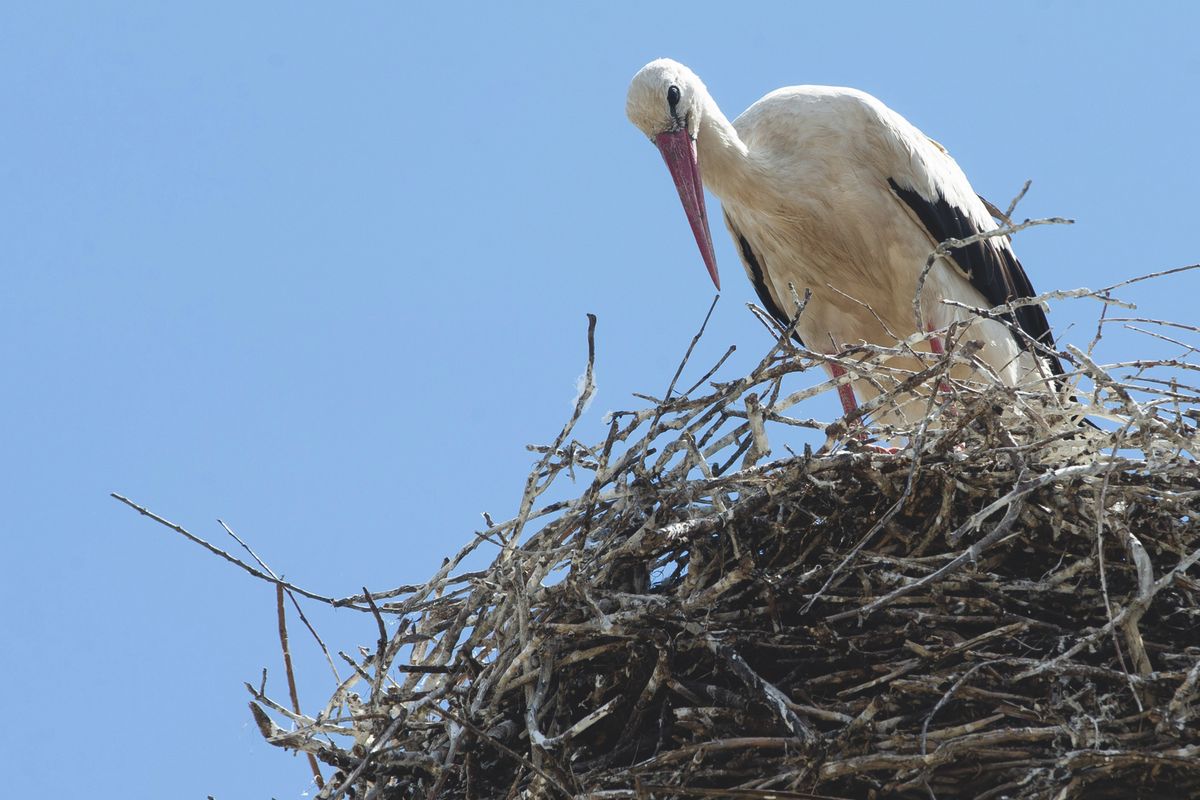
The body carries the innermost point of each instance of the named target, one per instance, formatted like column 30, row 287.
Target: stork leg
column 845, row 391
column 850, row 404
column 938, row 349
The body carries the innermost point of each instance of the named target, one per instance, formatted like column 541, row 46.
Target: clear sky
column 321, row 270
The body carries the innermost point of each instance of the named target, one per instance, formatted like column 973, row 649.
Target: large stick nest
column 1007, row 607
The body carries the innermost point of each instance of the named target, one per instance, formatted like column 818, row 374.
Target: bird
column 826, row 190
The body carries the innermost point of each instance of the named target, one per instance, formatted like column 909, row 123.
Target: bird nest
column 1007, row 607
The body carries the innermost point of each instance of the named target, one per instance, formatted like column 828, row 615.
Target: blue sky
column 322, row 270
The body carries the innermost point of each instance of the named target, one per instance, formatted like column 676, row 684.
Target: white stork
column 827, row 187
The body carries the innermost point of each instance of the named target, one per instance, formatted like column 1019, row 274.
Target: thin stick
column 295, row 603
column 281, row 614
column 230, row 558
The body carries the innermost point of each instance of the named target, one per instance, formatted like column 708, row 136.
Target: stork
column 826, row 189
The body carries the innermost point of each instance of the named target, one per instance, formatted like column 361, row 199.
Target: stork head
column 666, row 102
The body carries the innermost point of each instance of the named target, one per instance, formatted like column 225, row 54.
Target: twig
column 1012, row 206
column 291, row 675
column 949, row 245
column 775, row 698
column 295, row 603
column 230, row 558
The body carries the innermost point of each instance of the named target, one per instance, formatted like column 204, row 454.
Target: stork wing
column 948, row 209
column 758, row 277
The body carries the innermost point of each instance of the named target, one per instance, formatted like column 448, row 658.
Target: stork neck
column 726, row 164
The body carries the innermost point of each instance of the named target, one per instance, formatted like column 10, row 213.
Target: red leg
column 849, row 404
column 845, row 391
column 935, row 345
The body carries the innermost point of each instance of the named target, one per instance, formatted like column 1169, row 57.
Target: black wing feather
column 758, row 278
column 994, row 271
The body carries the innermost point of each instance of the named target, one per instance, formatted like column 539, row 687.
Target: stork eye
column 673, row 97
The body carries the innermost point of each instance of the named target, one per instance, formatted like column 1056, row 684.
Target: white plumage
column 827, row 188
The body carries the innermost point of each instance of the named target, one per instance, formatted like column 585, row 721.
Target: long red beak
column 679, row 151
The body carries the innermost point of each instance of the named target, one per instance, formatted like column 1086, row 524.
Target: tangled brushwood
column 1006, row 607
